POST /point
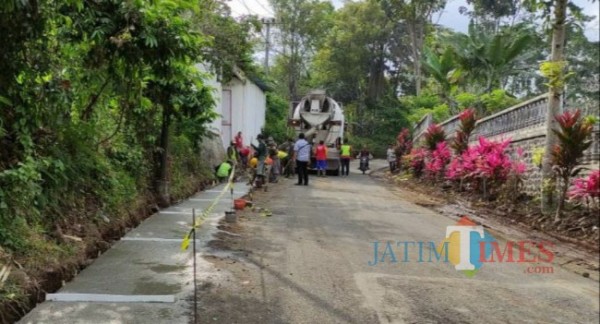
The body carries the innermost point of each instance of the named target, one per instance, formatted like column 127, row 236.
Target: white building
column 241, row 105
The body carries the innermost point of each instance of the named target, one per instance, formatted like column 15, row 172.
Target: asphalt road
column 309, row 263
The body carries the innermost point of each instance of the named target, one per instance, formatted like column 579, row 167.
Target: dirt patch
column 235, row 228
column 408, row 193
column 240, row 296
column 237, row 299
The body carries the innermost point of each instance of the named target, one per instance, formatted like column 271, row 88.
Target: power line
column 250, row 11
column 269, row 11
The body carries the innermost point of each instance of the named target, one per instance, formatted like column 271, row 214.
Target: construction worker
column 302, row 156
column 232, row 154
column 239, row 141
column 276, row 164
column 283, row 159
column 262, row 153
column 289, row 164
column 244, row 154
column 252, row 165
column 345, row 156
column 321, row 158
column 224, row 171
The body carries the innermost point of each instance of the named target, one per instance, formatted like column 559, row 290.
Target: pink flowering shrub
column 440, row 157
column 586, row 189
column 487, row 161
column 416, row 161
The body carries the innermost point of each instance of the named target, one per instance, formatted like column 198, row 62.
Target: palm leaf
column 517, row 47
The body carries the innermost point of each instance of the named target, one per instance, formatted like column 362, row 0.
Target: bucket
column 230, row 216
column 239, row 204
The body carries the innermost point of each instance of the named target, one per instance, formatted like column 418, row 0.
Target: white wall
column 248, row 103
column 254, row 112
column 216, row 92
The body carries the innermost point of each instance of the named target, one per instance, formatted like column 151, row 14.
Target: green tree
column 443, row 68
column 92, row 95
column 555, row 96
column 415, row 16
column 490, row 58
column 302, row 26
column 583, row 56
column 233, row 40
column 276, row 118
column 351, row 64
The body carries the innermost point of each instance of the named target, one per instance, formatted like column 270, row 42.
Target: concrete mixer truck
column 320, row 118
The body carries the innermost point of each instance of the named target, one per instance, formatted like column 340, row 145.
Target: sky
column 449, row 17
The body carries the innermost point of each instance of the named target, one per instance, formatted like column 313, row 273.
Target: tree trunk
column 162, row 180
column 554, row 101
column 412, row 29
column 561, row 199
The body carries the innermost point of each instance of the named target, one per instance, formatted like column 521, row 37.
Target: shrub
column 441, row 112
column 434, row 135
column 423, row 104
column 466, row 99
column 586, row 189
column 573, row 139
column 467, row 125
column 486, row 165
column 515, row 177
column 403, row 145
column 436, row 165
column 276, row 118
column 497, row 100
column 537, row 156
column 416, row 161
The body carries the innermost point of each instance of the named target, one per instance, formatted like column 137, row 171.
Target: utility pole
column 267, row 22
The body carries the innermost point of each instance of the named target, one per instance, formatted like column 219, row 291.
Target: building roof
column 258, row 81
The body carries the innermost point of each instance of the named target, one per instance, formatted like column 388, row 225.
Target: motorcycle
column 364, row 164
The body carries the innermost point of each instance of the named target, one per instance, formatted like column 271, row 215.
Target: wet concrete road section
column 143, row 278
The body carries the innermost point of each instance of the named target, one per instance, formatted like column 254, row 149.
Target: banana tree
column 444, row 69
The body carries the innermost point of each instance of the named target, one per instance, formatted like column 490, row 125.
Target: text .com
column 468, row 247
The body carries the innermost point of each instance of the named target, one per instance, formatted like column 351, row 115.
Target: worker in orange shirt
column 321, row 157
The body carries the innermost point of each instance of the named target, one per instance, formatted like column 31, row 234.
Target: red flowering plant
column 494, row 163
column 586, row 190
column 403, row 145
column 486, row 165
column 415, row 161
column 516, row 176
column 467, row 125
column 458, row 168
column 436, row 164
column 433, row 135
column 573, row 139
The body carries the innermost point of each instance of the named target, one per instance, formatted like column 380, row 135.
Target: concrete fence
column 421, row 127
column 525, row 125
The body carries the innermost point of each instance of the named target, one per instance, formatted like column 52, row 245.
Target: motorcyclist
column 364, row 153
